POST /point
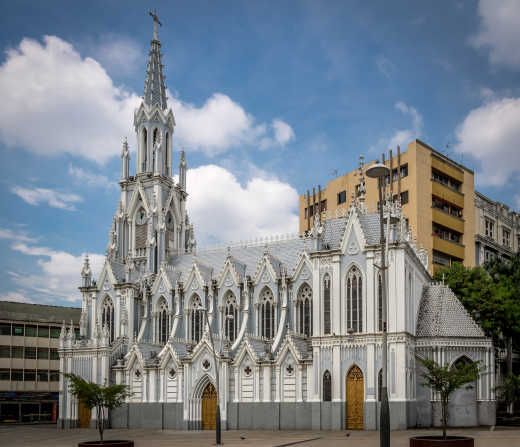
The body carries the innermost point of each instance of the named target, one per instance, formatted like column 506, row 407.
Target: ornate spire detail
column 154, row 88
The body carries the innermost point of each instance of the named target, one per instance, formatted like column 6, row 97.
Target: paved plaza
column 49, row 436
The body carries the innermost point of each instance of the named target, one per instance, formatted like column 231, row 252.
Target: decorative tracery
column 107, row 317
column 354, row 300
column 162, row 321
column 326, row 305
column 230, row 316
column 304, row 311
column 196, row 319
column 267, row 311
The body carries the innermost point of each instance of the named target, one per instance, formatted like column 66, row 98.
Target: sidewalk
column 49, row 436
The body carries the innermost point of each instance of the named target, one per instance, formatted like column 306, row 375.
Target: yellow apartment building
column 437, row 197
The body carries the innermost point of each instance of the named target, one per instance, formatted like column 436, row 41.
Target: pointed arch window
column 196, row 319
column 155, row 143
column 304, row 311
column 354, row 300
column 379, row 302
column 107, row 317
column 267, row 312
column 167, row 155
column 163, row 322
column 327, row 386
column 144, row 149
column 326, row 304
column 230, row 316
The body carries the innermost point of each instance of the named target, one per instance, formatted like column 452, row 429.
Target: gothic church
column 289, row 326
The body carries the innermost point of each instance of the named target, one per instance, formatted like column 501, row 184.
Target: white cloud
column 499, row 30
column 119, row 54
column 491, row 133
column 224, row 210
column 52, row 198
column 401, row 137
column 18, row 297
column 6, row 233
column 221, row 124
column 59, row 278
column 283, row 133
column 54, row 101
column 91, row 178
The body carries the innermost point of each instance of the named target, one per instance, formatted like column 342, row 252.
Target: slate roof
column 370, row 224
column 302, row 346
column 441, row 314
column 333, row 230
column 39, row 313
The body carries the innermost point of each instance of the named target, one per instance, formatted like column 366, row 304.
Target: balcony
column 448, row 194
column 447, row 169
column 448, row 247
column 447, row 220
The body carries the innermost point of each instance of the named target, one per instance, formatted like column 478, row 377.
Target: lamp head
column 377, row 170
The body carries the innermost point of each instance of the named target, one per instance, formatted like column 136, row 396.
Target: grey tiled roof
column 370, row 224
column 441, row 314
column 333, row 230
column 38, row 313
column 302, row 346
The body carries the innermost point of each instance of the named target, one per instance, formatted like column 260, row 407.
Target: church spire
column 154, row 89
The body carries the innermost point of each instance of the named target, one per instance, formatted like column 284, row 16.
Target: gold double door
column 354, row 399
column 209, row 407
column 84, row 415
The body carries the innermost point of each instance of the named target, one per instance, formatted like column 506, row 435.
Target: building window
column 354, row 300
column 196, row 319
column 43, row 331
column 443, row 259
column 267, row 313
column 489, row 228
column 18, row 330
column 43, row 353
column 404, row 171
column 447, row 207
column 107, row 317
column 5, row 329
column 5, row 352
column 342, row 197
column 163, row 322
column 29, row 375
column 326, row 304
column 379, row 303
column 446, row 233
column 17, row 352
column 54, row 354
column 446, row 180
column 304, row 310
column 55, row 331
column 327, row 387
column 404, row 197
column 230, row 316
column 506, row 237
column 5, row 374
column 323, row 205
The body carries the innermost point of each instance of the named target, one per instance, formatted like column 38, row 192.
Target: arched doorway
column 209, row 407
column 354, row 399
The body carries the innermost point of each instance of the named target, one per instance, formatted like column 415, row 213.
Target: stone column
column 267, row 383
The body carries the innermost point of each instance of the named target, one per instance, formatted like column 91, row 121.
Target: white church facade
column 292, row 324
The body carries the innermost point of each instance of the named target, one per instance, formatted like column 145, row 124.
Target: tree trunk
column 100, row 423
column 444, row 416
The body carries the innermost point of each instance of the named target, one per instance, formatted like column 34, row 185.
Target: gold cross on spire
column 155, row 22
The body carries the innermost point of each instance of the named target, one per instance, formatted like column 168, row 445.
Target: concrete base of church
column 149, row 415
column 289, row 416
column 487, row 412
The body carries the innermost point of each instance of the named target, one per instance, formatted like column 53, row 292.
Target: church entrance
column 354, row 399
column 209, row 407
column 84, row 415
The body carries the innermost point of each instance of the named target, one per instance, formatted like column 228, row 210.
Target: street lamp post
column 217, row 380
column 380, row 171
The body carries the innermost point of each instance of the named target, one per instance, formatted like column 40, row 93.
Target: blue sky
column 270, row 99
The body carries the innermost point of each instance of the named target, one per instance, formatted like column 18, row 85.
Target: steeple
column 154, row 89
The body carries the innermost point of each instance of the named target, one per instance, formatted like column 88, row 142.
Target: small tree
column 445, row 380
column 509, row 391
column 98, row 396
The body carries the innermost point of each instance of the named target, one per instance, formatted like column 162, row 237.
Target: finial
column 155, row 22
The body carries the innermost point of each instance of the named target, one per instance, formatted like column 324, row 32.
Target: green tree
column 445, row 380
column 100, row 397
column 491, row 294
column 509, row 391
